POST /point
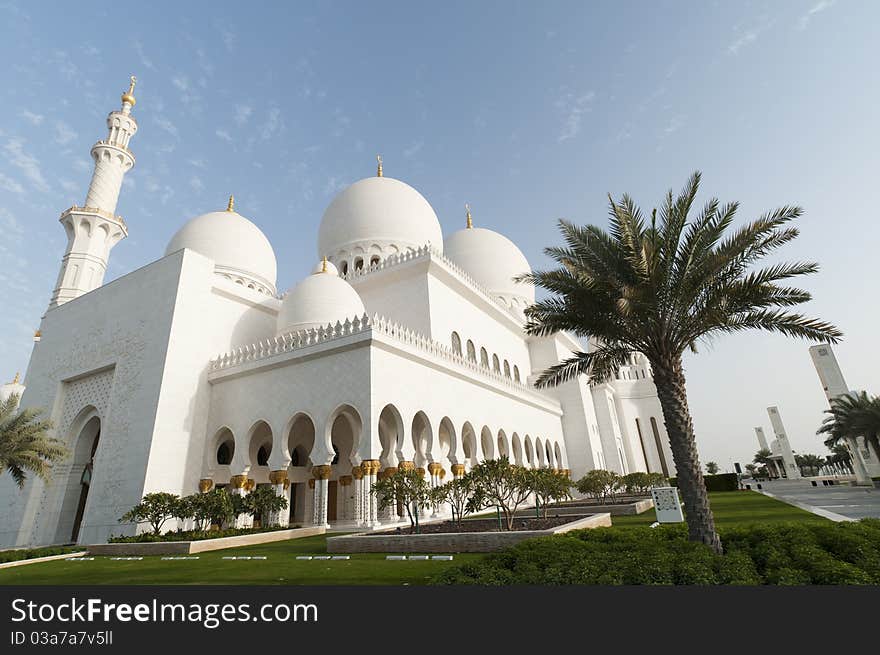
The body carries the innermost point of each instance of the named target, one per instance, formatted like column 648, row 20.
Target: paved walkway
column 835, row 503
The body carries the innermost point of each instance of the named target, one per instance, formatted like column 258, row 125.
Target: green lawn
column 279, row 568
column 735, row 508
column 282, row 568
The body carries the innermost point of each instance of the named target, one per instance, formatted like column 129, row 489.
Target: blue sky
column 529, row 111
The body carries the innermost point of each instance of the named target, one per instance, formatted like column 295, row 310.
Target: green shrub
column 31, row 553
column 190, row 535
column 780, row 554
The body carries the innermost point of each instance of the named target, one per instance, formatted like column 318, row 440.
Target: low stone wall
column 203, row 545
column 618, row 509
column 453, row 542
column 37, row 560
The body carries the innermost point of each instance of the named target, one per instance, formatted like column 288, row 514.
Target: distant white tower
column 834, row 385
column 92, row 230
column 14, row 387
column 762, row 440
column 791, row 468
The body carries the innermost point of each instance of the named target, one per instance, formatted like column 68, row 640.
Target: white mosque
column 401, row 349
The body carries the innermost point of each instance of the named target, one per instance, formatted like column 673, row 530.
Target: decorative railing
column 293, row 341
column 93, row 210
column 423, row 253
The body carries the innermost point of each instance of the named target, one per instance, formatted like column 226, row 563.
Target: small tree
column 600, row 484
column 499, row 484
column 155, row 509
column 183, row 509
column 657, row 480
column 752, row 469
column 636, row 483
column 549, row 487
column 711, row 468
column 404, row 487
column 456, row 493
column 212, row 507
column 263, row 501
column 25, row 444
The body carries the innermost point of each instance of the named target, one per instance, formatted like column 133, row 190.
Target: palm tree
column 24, row 443
column 658, row 285
column 841, row 455
column 764, row 458
column 853, row 415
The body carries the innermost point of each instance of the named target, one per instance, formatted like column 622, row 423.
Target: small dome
column 377, row 215
column 241, row 252
column 493, row 261
column 325, row 267
column 320, row 299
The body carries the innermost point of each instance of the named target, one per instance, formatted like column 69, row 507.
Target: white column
column 280, row 484
column 238, row 484
column 791, row 468
column 309, row 503
column 357, row 474
column 370, row 500
column 322, row 482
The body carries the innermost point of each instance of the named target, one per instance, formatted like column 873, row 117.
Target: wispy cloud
column 413, row 149
column 196, row 184
column 165, row 124
column 243, row 113
column 223, row 134
column 32, row 118
column 573, row 107
column 26, row 163
column 64, row 134
column 674, row 125
column 70, row 186
column 146, row 62
column 181, row 82
column 820, row 6
column 10, row 185
column 747, row 36
column 198, row 163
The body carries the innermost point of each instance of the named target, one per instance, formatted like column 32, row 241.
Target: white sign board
column 667, row 505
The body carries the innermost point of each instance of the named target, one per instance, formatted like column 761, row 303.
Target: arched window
column 471, row 353
column 506, row 369
column 344, row 268
column 496, row 365
column 224, row 453
column 456, row 343
column 374, row 261
column 358, row 263
column 335, row 455
column 484, row 357
column 516, row 373
column 262, row 456
column 294, row 457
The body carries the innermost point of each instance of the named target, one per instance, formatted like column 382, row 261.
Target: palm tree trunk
column 672, row 392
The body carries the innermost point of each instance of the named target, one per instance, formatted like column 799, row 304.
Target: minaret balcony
column 94, row 211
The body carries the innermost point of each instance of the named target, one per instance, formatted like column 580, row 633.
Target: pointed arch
column 390, row 434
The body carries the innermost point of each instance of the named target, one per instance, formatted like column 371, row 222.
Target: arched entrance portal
column 84, row 446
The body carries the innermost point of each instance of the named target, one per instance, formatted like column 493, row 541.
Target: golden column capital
column 389, row 471
column 458, row 470
column 344, row 480
column 442, row 473
column 371, row 466
column 286, row 484
column 322, row 472
column 238, row 481
column 420, row 472
column 278, row 477
column 311, row 483
column 357, row 472
column 434, row 468
column 205, row 485
column 406, row 465
column 250, row 485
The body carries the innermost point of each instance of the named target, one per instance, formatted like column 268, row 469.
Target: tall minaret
column 791, row 467
column 92, row 230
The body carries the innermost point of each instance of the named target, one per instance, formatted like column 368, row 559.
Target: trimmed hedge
column 191, row 535
column 31, row 553
column 781, row 554
column 718, row 482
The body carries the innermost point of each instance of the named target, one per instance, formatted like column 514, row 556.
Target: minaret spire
column 231, row 206
column 470, row 221
column 94, row 228
column 379, row 167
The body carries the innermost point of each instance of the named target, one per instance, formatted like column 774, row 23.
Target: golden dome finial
column 324, row 264
column 470, row 221
column 128, row 96
column 16, row 378
column 231, row 206
column 379, row 170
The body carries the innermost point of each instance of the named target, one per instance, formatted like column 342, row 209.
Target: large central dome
column 374, row 218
